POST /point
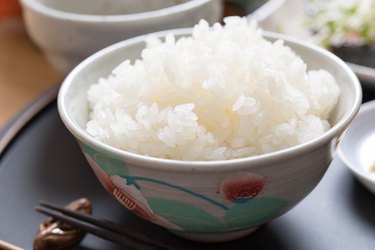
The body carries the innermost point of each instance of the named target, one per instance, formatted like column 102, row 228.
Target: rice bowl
column 207, row 200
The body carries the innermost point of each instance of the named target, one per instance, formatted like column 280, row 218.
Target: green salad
column 342, row 22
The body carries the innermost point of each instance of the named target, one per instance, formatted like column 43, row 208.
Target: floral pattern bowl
column 208, row 201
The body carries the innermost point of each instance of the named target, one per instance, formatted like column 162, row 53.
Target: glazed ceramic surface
column 69, row 31
column 207, row 201
column 356, row 148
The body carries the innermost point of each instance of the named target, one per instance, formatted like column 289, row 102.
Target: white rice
column 223, row 93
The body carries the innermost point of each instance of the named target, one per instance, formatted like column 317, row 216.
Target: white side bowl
column 356, row 148
column 68, row 31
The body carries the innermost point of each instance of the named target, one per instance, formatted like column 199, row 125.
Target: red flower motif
column 128, row 195
column 241, row 186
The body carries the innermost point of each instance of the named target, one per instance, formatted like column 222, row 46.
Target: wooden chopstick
column 111, row 226
column 99, row 222
column 78, row 220
column 8, row 246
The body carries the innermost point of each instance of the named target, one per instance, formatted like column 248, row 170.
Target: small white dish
column 357, row 146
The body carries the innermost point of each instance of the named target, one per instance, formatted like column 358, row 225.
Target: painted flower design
column 124, row 193
column 241, row 186
column 131, row 197
column 128, row 195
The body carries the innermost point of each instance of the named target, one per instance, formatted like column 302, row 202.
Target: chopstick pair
column 8, row 246
column 119, row 234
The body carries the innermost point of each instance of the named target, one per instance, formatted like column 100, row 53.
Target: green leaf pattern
column 188, row 217
column 110, row 164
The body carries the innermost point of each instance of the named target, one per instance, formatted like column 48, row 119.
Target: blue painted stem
column 133, row 178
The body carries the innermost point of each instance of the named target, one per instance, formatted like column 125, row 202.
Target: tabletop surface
column 24, row 72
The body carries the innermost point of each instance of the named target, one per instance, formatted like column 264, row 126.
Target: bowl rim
column 37, row 6
column 216, row 165
column 358, row 171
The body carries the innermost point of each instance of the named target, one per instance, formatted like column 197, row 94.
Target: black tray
column 41, row 160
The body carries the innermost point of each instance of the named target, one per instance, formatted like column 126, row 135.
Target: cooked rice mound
column 223, row 93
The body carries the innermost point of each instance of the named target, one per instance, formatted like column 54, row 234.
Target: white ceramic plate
column 357, row 146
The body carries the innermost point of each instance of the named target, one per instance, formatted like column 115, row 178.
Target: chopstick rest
column 105, row 229
column 54, row 234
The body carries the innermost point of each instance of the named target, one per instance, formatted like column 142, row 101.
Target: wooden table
column 24, row 72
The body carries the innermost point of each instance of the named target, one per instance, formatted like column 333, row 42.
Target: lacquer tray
column 40, row 160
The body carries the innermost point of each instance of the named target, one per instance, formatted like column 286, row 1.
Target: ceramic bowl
column 68, row 31
column 207, row 200
column 356, row 147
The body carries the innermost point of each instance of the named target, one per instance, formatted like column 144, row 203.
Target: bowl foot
column 214, row 237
